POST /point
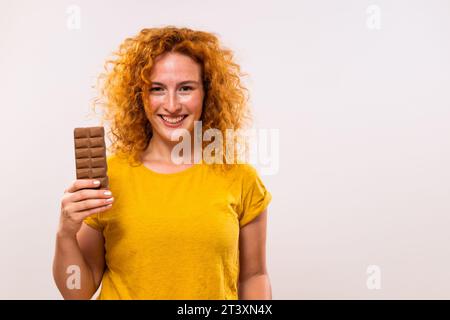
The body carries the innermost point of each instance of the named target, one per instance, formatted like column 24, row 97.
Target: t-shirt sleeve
column 255, row 199
column 94, row 221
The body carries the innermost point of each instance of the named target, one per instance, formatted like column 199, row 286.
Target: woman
column 167, row 230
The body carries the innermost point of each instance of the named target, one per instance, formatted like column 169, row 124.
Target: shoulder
column 244, row 173
column 246, row 170
column 112, row 158
column 114, row 161
column 116, row 166
column 118, row 172
column 250, row 179
column 237, row 173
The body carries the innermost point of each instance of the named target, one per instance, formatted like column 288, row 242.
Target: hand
column 80, row 200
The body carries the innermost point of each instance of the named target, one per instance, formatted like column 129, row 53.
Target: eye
column 155, row 89
column 186, row 87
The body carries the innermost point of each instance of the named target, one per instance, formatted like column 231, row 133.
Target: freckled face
column 175, row 99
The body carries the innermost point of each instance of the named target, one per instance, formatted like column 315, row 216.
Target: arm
column 86, row 251
column 254, row 282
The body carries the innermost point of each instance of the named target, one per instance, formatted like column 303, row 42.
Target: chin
column 167, row 133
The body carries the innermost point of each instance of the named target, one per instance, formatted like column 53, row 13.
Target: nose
column 172, row 105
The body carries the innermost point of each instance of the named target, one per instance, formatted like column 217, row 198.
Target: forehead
column 175, row 67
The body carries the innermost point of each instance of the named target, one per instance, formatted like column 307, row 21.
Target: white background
column 363, row 116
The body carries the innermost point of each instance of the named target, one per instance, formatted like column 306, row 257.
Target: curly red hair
column 126, row 77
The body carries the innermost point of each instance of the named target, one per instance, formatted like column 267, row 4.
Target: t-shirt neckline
column 172, row 174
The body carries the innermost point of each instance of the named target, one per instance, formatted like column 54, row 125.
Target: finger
column 90, row 204
column 82, row 184
column 84, row 194
column 86, row 213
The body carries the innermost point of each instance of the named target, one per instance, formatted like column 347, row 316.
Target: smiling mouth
column 172, row 120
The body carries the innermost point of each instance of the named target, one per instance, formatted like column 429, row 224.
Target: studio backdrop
column 352, row 100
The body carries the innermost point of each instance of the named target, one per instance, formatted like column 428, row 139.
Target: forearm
column 257, row 287
column 67, row 253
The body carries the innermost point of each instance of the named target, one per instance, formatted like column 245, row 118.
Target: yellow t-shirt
column 176, row 236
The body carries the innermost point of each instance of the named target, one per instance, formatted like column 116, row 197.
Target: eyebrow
column 180, row 83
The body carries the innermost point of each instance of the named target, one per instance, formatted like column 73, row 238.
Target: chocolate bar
column 90, row 155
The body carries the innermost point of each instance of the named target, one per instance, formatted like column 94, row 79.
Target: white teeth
column 173, row 120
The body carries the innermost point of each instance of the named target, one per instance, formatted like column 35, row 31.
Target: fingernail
column 109, row 200
column 96, row 182
column 107, row 193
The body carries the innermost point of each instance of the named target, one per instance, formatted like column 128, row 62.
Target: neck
column 160, row 150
